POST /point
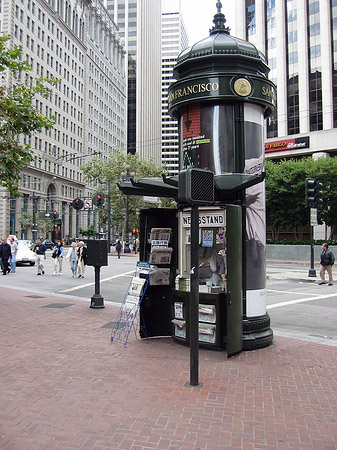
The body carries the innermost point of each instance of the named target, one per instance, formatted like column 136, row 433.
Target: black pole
column 97, row 301
column 34, row 230
column 194, row 298
column 127, row 246
column 109, row 216
column 312, row 271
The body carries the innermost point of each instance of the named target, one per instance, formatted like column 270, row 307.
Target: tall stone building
column 78, row 43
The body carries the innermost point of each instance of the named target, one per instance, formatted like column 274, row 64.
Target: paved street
column 64, row 385
column 114, row 279
column 297, row 305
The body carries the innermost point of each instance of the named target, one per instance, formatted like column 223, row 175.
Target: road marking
column 301, row 300
column 92, row 284
column 290, row 292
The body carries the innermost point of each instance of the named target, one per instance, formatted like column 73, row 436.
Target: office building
column 78, row 43
column 299, row 39
column 139, row 24
column 174, row 41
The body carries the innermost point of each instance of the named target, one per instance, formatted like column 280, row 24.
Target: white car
column 28, row 243
column 24, row 255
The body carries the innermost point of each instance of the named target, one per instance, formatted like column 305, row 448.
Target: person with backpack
column 327, row 261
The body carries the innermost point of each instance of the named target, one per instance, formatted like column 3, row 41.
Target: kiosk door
column 234, row 279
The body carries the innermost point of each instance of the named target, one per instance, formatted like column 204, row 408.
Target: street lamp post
column 34, row 230
column 126, row 177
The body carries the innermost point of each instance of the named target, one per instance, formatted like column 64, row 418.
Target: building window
column 250, row 18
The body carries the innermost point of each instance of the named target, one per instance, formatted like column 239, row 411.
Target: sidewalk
column 64, row 385
column 301, row 274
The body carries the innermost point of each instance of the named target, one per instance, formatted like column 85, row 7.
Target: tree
column 100, row 172
column 285, row 195
column 43, row 224
column 18, row 116
column 90, row 232
column 285, row 192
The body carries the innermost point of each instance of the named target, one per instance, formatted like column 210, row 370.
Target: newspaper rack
column 128, row 315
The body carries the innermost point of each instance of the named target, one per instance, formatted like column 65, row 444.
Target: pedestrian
column 40, row 251
column 5, row 254
column 14, row 250
column 58, row 258
column 327, row 261
column 119, row 248
column 81, row 259
column 72, row 258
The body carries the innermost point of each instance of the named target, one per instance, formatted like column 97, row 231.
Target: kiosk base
column 257, row 332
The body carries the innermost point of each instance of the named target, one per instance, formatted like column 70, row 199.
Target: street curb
column 278, row 277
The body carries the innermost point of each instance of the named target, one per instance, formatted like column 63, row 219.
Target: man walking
column 5, row 254
column 14, row 250
column 40, row 251
column 327, row 261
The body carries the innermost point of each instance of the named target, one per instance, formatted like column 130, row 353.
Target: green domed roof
column 219, row 45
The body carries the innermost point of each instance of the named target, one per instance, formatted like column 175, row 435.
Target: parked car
column 25, row 255
column 48, row 244
column 26, row 242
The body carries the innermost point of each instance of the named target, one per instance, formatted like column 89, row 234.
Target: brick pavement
column 65, row 386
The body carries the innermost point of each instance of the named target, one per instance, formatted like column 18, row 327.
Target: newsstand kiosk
column 221, row 98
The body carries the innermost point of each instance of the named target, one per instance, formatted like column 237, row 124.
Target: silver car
column 25, row 255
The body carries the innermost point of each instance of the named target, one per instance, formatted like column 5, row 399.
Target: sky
column 198, row 16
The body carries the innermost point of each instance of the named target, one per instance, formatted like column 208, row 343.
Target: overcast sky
column 198, row 16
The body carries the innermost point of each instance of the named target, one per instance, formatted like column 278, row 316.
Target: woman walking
column 81, row 259
column 58, row 258
column 72, row 258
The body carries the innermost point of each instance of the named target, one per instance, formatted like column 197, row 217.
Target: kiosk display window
column 212, row 251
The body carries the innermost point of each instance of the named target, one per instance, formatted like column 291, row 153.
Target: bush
column 301, row 242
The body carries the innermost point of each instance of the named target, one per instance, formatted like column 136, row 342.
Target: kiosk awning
column 152, row 187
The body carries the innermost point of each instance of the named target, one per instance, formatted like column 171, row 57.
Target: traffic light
column 104, row 219
column 55, row 215
column 78, row 203
column 98, row 200
column 313, row 193
column 135, row 231
column 319, row 194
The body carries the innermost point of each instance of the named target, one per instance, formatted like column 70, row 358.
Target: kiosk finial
column 219, row 21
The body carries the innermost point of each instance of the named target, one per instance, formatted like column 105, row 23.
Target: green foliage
column 101, row 172
column 43, row 225
column 301, row 242
column 90, row 232
column 18, row 114
column 285, row 192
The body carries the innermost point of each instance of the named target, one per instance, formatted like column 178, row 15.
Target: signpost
column 313, row 222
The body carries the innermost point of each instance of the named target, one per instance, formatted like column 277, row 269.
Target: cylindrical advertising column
column 221, row 98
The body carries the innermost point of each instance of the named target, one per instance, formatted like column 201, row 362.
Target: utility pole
column 109, row 215
column 34, row 230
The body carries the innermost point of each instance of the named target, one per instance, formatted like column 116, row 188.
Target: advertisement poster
column 207, row 137
column 207, row 238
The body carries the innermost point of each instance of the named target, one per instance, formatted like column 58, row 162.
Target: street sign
column 313, row 217
column 87, row 204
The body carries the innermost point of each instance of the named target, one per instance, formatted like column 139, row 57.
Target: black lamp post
column 126, row 177
column 34, row 230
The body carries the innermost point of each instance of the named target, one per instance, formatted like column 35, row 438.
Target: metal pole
column 109, row 216
column 194, row 298
column 34, row 230
column 97, row 300
column 312, row 271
